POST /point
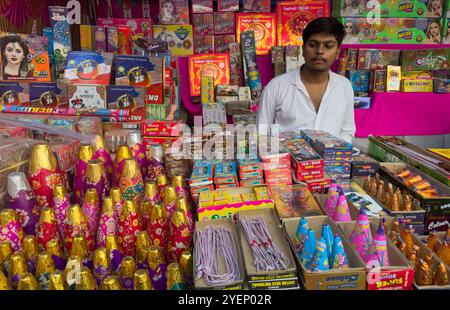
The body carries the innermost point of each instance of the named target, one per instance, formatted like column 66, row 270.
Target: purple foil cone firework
column 380, row 246
column 85, row 154
column 101, row 153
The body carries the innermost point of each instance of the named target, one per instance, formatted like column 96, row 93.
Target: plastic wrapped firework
column 175, row 279
column 91, row 210
column 45, row 267
column 53, row 248
column 156, row 163
column 122, row 153
column 179, row 237
column 97, row 179
column 131, row 181
column 107, row 224
column 47, row 228
column 134, row 142
column 31, row 252
column 60, row 204
column 85, row 154
column 100, row 152
column 158, row 229
column 129, row 225
column 115, row 254
column 157, row 267
column 90, row 126
column 101, row 265
column 126, row 272
column 76, row 225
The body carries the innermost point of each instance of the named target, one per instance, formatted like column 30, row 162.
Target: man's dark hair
column 328, row 25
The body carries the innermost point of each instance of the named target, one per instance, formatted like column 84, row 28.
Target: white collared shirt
column 286, row 102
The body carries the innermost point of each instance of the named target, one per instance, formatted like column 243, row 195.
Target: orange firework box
column 215, row 65
column 292, row 18
column 264, row 27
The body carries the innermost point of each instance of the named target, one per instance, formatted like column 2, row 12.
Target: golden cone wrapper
column 141, row 255
column 380, row 192
column 179, row 218
column 142, row 280
column 4, row 283
column 142, row 240
column 408, row 203
column 158, row 212
column 79, row 248
column 47, row 216
column 75, row 215
column 111, row 283
column 108, row 205
column 367, row 183
column 57, row 282
column 101, row 258
column 390, row 189
column 423, row 276
column 44, row 264
column 186, row 264
column 432, row 241
column 123, row 152
column 150, row 189
column 407, row 236
column 441, row 277
column 377, row 179
column 6, row 216
column 128, row 207
column 444, row 253
column 174, row 275
column 59, row 191
column 373, row 188
column 395, row 205
column 95, row 170
column 42, row 157
column 18, row 265
column 166, row 146
column 27, row 282
column 177, row 180
column 115, row 194
column 87, row 280
column 130, row 168
column 86, row 152
column 155, row 256
column 99, row 143
column 52, row 248
column 413, row 260
column 127, row 267
column 91, row 196
column 30, row 247
column 146, row 208
column 429, row 259
column 6, row 250
column 111, row 244
column 182, row 204
column 169, row 195
column 161, row 180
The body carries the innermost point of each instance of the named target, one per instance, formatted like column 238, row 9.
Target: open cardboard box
column 353, row 278
column 321, row 199
column 399, row 275
column 199, row 283
column 276, row 279
column 416, row 217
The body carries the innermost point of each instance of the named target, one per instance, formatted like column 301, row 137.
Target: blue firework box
column 225, row 172
column 48, row 95
column 360, row 80
column 14, row 93
column 135, row 70
column 127, row 98
column 202, row 174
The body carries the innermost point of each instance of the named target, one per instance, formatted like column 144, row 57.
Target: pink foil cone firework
column 122, row 153
column 11, row 229
column 107, row 225
column 158, row 229
column 47, row 228
column 179, row 238
column 91, row 210
column 134, row 142
column 342, row 212
column 60, row 204
column 361, row 236
column 101, row 153
column 129, row 225
column 85, row 154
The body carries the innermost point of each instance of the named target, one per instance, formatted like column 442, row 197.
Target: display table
column 401, row 114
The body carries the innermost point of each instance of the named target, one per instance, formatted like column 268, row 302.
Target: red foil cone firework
column 179, row 238
column 91, row 210
column 156, row 163
column 169, row 199
column 21, row 199
column 134, row 142
column 151, row 197
column 44, row 174
column 183, row 206
column 60, row 204
column 101, row 153
column 145, row 211
column 107, row 224
column 123, row 152
column 158, row 230
column 129, row 225
column 162, row 184
column 96, row 179
column 142, row 245
column 84, row 155
column 131, row 182
column 76, row 225
column 11, row 229
column 47, row 228
column 181, row 188
column 116, row 196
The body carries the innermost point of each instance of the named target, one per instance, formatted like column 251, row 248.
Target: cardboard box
column 398, row 276
column 410, row 8
column 222, row 43
column 87, row 96
column 353, row 278
column 263, row 26
column 318, row 186
column 139, row 26
column 162, row 128
column 202, row 6
column 203, row 24
column 417, row 85
column 180, row 16
column 436, row 222
column 112, row 39
column 215, row 65
column 127, row 98
column 15, row 93
column 426, row 59
column 363, row 165
column 224, row 23
column 275, row 279
column 199, row 283
column 51, row 95
column 134, row 70
column 256, row 6
column 88, row 68
column 369, row 59
column 393, row 78
column 227, row 5
column 362, row 102
column 204, row 44
column 378, row 79
column 178, row 37
column 359, row 80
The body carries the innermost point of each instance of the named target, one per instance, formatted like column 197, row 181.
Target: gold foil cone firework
column 432, row 241
column 177, row 180
column 101, row 258
column 408, row 203
column 6, row 251
column 390, row 189
column 53, row 248
column 151, row 190
column 129, row 207
column 158, row 212
column 123, row 152
column 162, row 183
column 87, row 280
column 142, row 240
column 75, row 215
column 155, row 257
column 30, row 247
column 169, row 195
column 59, row 191
column 178, row 219
column 27, row 282
column 130, row 168
column 441, row 277
column 111, row 244
column 111, row 283
column 57, row 282
column 94, row 171
column 175, row 279
column 79, row 248
column 128, row 267
column 4, row 283
column 380, row 192
column 423, row 274
column 444, row 253
column 367, row 183
column 142, row 280
column 395, row 206
column 115, row 194
column 186, row 266
column 108, row 206
column 6, row 216
column 17, row 269
column 42, row 157
column 91, row 196
column 99, row 143
column 86, row 152
column 44, row 264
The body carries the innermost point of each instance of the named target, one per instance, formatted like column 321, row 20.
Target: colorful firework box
column 394, row 30
column 112, row 39
column 222, row 43
column 362, row 102
column 292, row 18
column 179, row 16
column 100, row 39
column 202, row 174
column 236, row 66
column 429, row 59
column 224, row 23
column 204, row 44
column 203, row 24
column 225, row 173
column 87, row 96
column 127, row 98
column 61, row 38
column 88, row 68
column 409, row 8
column 227, row 5
column 264, row 27
column 35, row 66
column 136, row 70
column 202, row 6
column 178, row 37
column 307, row 164
column 15, row 93
column 359, row 80
column 319, row 185
column 441, row 86
column 372, row 58
column 378, row 80
column 249, row 57
column 156, row 111
column 48, row 33
column 140, row 27
column 256, row 6
column 215, row 65
column 86, row 38
column 49, row 95
column 161, row 128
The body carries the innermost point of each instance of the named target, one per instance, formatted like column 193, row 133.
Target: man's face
column 320, row 51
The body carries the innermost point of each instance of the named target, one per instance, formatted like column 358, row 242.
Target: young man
column 315, row 97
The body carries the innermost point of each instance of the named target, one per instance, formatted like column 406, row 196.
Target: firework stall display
column 103, row 167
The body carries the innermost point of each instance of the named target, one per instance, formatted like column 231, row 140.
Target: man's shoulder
column 283, row 79
column 341, row 80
